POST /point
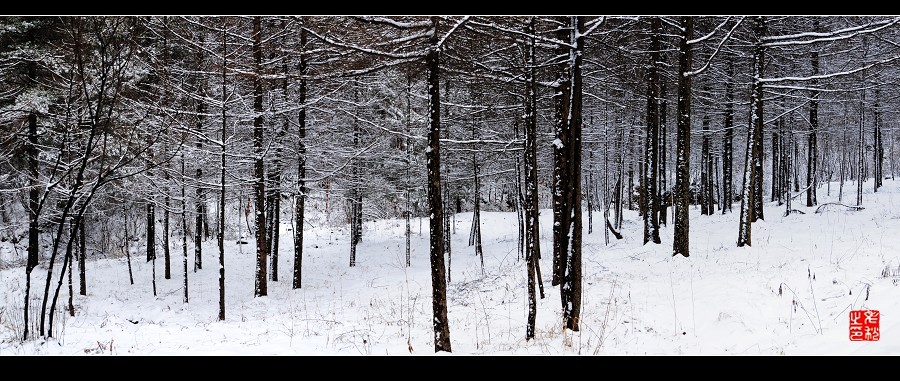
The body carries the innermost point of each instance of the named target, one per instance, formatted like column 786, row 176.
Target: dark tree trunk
column 788, row 140
column 877, row 146
column 728, row 145
column 33, row 213
column 435, row 203
column 861, row 147
column 259, row 170
column 151, row 232
column 681, row 193
column 70, row 306
column 475, row 237
column 167, row 261
column 651, row 231
column 151, row 240
column 300, row 196
column 777, row 164
column 567, row 152
column 126, row 244
column 758, row 153
column 200, row 200
column 408, row 184
column 749, row 196
column 184, row 230
column 706, row 208
column 532, row 225
column 664, row 196
column 221, row 236
column 82, row 289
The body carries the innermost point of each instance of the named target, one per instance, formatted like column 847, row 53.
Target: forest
column 170, row 141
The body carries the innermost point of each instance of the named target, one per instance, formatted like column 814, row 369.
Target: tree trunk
column 567, row 152
column 259, row 171
column 221, row 236
column 664, row 195
column 727, row 145
column 877, row 146
column 200, row 201
column 435, row 203
column 33, row 213
column 408, row 183
column 126, row 244
column 681, row 192
column 82, row 289
column 749, row 194
column 167, row 261
column 151, row 240
column 652, row 153
column 758, row 152
column 532, row 225
column 705, row 207
column 777, row 164
column 184, row 230
column 300, row 196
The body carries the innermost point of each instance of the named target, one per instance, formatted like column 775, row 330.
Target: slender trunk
column 664, row 195
column 435, row 203
column 561, row 102
column 728, row 145
column 532, row 225
column 476, row 218
column 750, row 198
column 167, row 262
column 408, row 184
column 82, row 246
column 200, row 200
column 811, row 143
column 126, row 244
column 34, row 206
column 789, row 166
column 861, row 147
column 221, row 235
column 184, row 230
column 567, row 209
column 259, row 170
column 877, row 146
column 777, row 164
column 705, row 207
column 300, row 196
column 652, row 154
column 759, row 72
column 70, row 305
column 681, row 193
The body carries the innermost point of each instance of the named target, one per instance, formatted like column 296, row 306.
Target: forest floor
column 791, row 293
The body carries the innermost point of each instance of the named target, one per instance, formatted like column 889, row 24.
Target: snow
column 637, row 299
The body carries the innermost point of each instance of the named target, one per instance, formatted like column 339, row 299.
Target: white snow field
column 788, row 294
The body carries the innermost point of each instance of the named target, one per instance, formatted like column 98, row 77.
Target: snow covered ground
column 788, row 294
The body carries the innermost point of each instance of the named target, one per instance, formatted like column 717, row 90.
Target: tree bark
column 652, row 153
column 259, row 171
column 728, row 144
column 749, row 195
column 300, row 196
column 706, row 207
column 681, row 193
column 435, row 203
column 759, row 72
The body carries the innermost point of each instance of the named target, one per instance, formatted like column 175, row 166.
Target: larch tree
column 681, row 192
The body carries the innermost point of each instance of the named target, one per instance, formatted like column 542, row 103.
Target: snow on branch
column 460, row 22
column 829, row 36
column 832, row 75
column 718, row 47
